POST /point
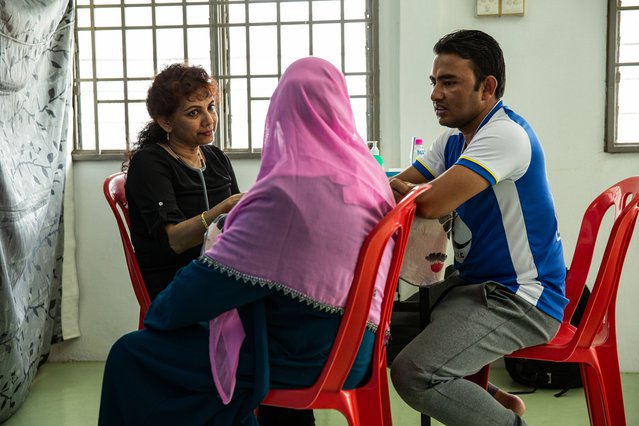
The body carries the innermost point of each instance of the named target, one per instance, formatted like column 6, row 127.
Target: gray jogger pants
column 472, row 326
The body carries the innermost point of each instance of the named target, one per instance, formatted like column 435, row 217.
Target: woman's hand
column 230, row 202
column 189, row 233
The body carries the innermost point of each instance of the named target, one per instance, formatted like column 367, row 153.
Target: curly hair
column 174, row 83
column 482, row 50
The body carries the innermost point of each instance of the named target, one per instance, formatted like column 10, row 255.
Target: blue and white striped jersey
column 508, row 232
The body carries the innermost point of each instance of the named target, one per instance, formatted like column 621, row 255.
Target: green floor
column 67, row 394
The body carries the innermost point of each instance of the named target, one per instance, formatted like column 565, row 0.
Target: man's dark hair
column 482, row 50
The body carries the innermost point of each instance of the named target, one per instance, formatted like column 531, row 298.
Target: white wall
column 555, row 57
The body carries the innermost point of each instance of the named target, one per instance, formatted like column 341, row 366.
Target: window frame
column 612, row 80
column 219, row 69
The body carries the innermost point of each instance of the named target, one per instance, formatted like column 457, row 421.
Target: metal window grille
column 245, row 44
column 622, row 85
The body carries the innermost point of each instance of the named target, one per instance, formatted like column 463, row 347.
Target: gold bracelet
column 206, row 225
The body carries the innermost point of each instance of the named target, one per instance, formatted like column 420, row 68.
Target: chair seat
column 558, row 343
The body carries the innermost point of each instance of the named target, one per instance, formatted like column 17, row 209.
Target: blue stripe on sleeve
column 479, row 169
column 421, row 168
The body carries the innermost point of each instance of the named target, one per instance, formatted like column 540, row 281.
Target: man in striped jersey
column 507, row 291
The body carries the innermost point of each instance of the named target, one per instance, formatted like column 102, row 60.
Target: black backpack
column 548, row 374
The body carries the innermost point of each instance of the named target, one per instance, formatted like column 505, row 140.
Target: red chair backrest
column 349, row 335
column 116, row 197
column 624, row 197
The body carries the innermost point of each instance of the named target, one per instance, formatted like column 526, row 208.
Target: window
column 245, row 44
column 622, row 87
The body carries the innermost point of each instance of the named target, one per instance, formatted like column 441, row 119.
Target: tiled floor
column 67, row 394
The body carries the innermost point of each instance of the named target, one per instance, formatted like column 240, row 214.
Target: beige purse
column 426, row 252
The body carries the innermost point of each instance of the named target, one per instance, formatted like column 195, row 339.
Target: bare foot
column 510, row 401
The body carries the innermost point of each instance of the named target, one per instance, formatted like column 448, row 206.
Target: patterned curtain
column 36, row 58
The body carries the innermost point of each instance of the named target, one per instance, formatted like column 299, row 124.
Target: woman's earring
column 168, row 137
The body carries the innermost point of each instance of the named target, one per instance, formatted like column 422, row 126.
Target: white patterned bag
column 426, row 251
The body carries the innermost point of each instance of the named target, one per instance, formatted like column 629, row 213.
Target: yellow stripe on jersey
column 427, row 168
column 480, row 165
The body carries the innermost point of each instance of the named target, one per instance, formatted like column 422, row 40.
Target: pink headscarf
column 318, row 194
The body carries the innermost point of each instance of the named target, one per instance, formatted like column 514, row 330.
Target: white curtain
column 70, row 313
column 36, row 58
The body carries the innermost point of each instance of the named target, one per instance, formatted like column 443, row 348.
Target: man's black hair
column 482, row 50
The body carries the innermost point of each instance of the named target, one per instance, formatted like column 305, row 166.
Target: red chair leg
column 480, row 377
column 611, row 389
column 614, row 409
column 592, row 382
column 365, row 413
column 351, row 410
column 385, row 402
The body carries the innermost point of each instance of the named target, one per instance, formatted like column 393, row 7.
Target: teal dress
column 162, row 376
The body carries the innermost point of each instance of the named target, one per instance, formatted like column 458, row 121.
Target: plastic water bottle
column 418, row 149
column 375, row 152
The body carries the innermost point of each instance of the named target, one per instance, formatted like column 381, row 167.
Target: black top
column 161, row 190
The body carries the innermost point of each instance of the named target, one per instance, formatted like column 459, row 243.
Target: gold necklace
column 183, row 161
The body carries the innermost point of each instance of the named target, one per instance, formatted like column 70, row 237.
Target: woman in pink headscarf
column 260, row 308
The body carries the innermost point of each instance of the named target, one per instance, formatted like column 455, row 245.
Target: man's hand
column 400, row 188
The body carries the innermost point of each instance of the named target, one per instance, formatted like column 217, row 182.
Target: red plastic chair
column 593, row 344
column 368, row 405
column 114, row 192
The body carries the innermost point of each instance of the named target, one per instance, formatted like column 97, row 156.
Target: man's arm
column 455, row 186
column 412, row 175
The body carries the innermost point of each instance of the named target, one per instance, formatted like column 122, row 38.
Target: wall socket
column 488, row 7
column 499, row 7
column 512, row 7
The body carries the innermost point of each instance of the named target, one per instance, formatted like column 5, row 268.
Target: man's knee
column 408, row 376
column 413, row 383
